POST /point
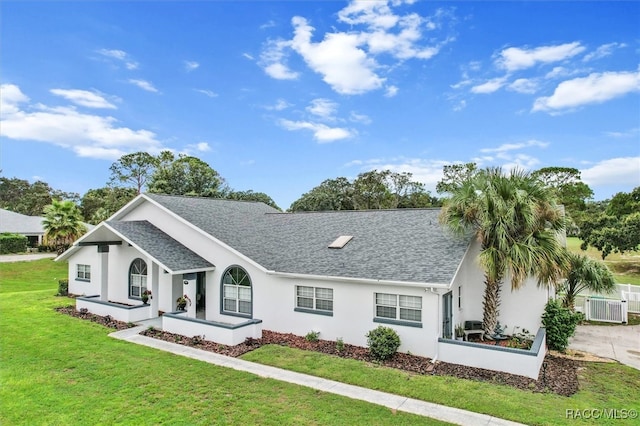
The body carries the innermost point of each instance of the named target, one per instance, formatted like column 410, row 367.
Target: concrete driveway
column 25, row 257
column 619, row 342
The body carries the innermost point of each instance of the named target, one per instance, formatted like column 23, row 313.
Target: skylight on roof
column 340, row 242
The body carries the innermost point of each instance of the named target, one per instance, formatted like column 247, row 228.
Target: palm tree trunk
column 490, row 304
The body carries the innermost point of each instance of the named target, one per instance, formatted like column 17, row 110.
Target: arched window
column 137, row 278
column 236, row 292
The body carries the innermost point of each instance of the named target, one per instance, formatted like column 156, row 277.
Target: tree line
column 610, row 226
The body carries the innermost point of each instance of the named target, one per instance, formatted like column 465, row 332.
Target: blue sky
column 279, row 96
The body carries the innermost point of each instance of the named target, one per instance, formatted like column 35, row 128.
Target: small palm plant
column 585, row 274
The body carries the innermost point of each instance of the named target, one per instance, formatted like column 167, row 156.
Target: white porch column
column 104, row 272
column 189, row 288
column 155, row 288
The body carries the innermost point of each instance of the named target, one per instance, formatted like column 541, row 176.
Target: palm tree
column 516, row 221
column 62, row 223
column 585, row 274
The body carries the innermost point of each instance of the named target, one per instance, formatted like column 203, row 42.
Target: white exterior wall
column 85, row 256
column 520, row 308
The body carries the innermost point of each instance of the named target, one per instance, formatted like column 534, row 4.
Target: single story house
column 245, row 267
column 29, row 226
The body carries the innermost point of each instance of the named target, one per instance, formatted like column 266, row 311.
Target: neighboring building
column 29, row 226
column 246, row 267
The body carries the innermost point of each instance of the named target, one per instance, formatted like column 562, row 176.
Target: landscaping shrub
column 383, row 342
column 560, row 324
column 12, row 243
column 312, row 336
column 63, row 287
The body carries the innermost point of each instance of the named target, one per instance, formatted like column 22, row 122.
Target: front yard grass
column 56, row 369
column 59, row 370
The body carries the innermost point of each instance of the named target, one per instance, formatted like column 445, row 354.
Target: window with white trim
column 137, row 278
column 83, row 272
column 236, row 291
column 315, row 298
column 398, row 307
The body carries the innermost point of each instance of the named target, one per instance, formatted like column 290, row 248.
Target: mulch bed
column 558, row 374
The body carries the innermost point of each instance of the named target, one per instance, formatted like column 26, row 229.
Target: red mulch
column 558, row 375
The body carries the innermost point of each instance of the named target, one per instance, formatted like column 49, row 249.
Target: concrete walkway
column 394, row 402
column 26, row 257
column 619, row 342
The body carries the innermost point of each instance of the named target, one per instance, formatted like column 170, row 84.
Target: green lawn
column 57, row 369
column 626, row 267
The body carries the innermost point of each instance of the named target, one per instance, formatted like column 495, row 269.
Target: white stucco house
column 247, row 267
column 29, row 226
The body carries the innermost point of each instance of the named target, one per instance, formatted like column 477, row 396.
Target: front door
column 447, row 315
column 200, row 295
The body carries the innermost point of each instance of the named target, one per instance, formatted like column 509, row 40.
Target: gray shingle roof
column 19, row 223
column 160, row 246
column 397, row 245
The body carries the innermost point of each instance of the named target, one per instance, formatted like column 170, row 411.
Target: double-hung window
column 83, row 272
column 314, row 299
column 398, row 307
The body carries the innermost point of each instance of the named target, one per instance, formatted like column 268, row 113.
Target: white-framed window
column 398, row 307
column 83, row 272
column 315, row 298
column 137, row 278
column 236, row 292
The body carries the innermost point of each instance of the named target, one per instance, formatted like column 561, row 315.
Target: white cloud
column 614, row 171
column 515, row 58
column 524, row 85
column 280, row 105
column 248, row 56
column 191, row 65
column 200, row 147
column 359, row 118
column 203, row 147
column 321, row 132
column 144, row 85
column 84, row 98
column 490, row 86
column 515, row 146
column 338, row 58
column 626, row 134
column 273, row 60
column 270, row 24
column 11, row 98
column 121, row 56
column 347, row 60
column 391, row 91
column 460, row 105
column 595, row 88
column 88, row 135
column 208, row 93
column 602, row 51
column 323, row 108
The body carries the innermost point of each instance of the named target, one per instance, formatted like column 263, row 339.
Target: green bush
column 12, row 243
column 560, row 324
column 383, row 342
column 312, row 336
column 63, row 287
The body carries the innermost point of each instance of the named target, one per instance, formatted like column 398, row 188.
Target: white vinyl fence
column 627, row 292
column 606, row 310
